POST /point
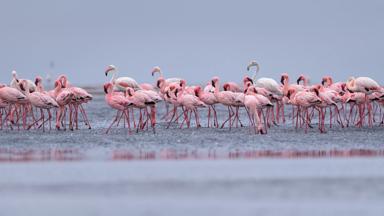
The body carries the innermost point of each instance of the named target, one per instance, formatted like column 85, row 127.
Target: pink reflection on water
column 27, row 155
column 172, row 154
column 30, row 155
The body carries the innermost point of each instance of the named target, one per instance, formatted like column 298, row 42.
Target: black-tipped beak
column 213, row 83
column 250, row 80
column 106, row 73
column 298, row 80
column 105, row 90
column 322, row 82
column 289, row 94
column 36, row 81
column 245, row 91
column 176, row 91
column 282, row 80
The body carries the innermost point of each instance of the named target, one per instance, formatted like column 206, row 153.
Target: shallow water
column 191, row 171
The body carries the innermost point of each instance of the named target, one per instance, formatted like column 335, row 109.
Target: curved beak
column 105, row 89
column 21, row 86
column 322, row 82
column 299, row 79
column 213, row 83
column 250, row 80
column 282, row 80
column 36, row 81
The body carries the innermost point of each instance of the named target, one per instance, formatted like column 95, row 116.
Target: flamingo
column 80, row 96
column 367, row 86
column 209, row 99
column 12, row 97
column 141, row 100
column 40, row 101
column 254, row 103
column 190, row 103
column 272, row 86
column 118, row 102
column 120, row 83
column 303, row 100
column 227, row 98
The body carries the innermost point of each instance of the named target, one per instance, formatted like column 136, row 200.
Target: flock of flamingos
column 357, row 102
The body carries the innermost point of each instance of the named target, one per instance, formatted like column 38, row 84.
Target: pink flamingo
column 227, row 98
column 209, row 99
column 303, row 100
column 254, row 104
column 190, row 104
column 117, row 101
column 81, row 96
column 40, row 101
column 142, row 100
column 12, row 97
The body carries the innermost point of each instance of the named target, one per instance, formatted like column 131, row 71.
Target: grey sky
column 192, row 39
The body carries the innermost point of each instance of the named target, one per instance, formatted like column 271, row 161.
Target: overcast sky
column 193, row 39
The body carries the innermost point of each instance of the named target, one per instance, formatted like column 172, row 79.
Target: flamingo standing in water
column 118, row 101
column 41, row 101
column 209, row 99
column 272, row 86
column 303, row 100
column 367, row 86
column 190, row 103
column 227, row 98
column 80, row 97
column 11, row 97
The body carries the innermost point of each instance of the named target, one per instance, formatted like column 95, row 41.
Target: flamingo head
column 129, row 91
column 214, row 81
column 183, row 83
column 109, row 69
column 38, row 80
column 301, row 78
column 247, row 79
column 226, row 86
column 253, row 63
column 155, row 69
column 160, row 82
column 23, row 85
column 107, row 87
column 284, row 78
column 197, row 91
column 290, row 93
column 64, row 81
column 324, row 80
